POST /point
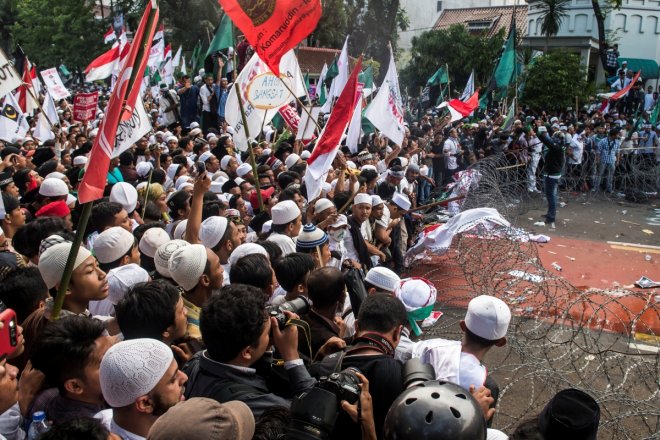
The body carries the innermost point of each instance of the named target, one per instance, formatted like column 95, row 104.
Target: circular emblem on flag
column 259, row 11
column 9, row 112
column 267, row 91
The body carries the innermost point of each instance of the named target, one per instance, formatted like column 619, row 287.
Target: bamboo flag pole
column 87, row 207
column 301, row 104
column 251, row 151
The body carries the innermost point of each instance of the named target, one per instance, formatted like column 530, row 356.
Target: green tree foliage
column 554, row 81
column 553, row 13
column 8, row 15
column 189, row 21
column 58, row 31
column 455, row 47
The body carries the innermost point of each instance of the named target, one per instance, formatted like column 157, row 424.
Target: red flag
column 467, row 107
column 273, row 27
column 120, row 107
column 26, row 102
column 327, row 146
column 625, row 90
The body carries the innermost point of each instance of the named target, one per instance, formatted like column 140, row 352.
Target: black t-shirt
column 385, row 375
column 439, row 159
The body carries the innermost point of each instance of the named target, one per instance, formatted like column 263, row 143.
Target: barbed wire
column 604, row 342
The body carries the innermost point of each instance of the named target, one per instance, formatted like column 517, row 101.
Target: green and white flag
column 224, row 36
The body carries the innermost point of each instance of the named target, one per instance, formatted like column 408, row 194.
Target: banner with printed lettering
column 9, row 77
column 54, row 84
column 84, row 106
column 290, row 116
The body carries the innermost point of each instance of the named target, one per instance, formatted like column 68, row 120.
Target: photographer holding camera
column 237, row 332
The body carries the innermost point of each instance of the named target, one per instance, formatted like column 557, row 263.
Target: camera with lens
column 299, row 306
column 416, row 372
column 314, row 412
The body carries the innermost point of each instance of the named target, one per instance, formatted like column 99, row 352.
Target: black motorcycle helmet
column 435, row 410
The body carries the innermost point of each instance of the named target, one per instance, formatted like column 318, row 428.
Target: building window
column 438, row 6
column 479, row 26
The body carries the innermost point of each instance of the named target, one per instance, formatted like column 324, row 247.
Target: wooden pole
column 301, row 104
column 247, row 136
column 439, row 202
column 87, row 207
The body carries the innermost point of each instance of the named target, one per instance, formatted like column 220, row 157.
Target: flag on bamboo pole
column 386, row 109
column 366, row 77
column 339, row 80
column 120, row 108
column 194, row 58
column 510, row 116
column 176, row 60
column 157, row 52
column 506, row 65
column 102, row 66
column 49, row 116
column 184, row 71
column 224, row 36
column 439, row 77
column 273, row 28
column 25, row 92
column 654, row 116
column 459, row 109
column 327, row 146
column 109, row 36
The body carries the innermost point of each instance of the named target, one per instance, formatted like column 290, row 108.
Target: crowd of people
column 209, row 295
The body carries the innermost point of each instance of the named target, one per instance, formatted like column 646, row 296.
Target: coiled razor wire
column 602, row 342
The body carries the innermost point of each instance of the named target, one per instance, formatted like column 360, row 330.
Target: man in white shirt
column 451, row 150
column 287, row 222
column 207, row 93
column 169, row 105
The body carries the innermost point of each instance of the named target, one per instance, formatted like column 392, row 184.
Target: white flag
column 255, row 117
column 49, row 116
column 355, row 128
column 307, row 126
column 13, row 124
column 54, row 84
column 290, row 69
column 321, row 80
column 340, row 80
column 130, row 131
column 183, row 66
column 386, row 110
column 469, row 88
column 157, row 51
column 177, row 58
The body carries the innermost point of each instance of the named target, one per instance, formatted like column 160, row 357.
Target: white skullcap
column 376, row 200
column 224, row 162
column 351, row 165
column 55, row 175
column 180, row 230
column 180, row 181
column 238, row 181
column 402, row 201
column 321, row 205
column 205, row 156
column 130, row 369
column 80, row 160
column 305, row 155
column 187, row 265
column 383, row 278
column 266, row 227
column 216, row 187
column 284, row 212
column 172, row 138
column 52, row 262
column 163, row 254
column 243, row 169
column 125, row 194
column 194, row 125
column 112, row 244
column 122, row 278
column 53, row 188
column 369, row 167
column 341, row 222
column 416, row 293
column 246, row 249
column 488, row 317
column 172, row 170
column 141, row 185
column 212, row 230
column 266, row 152
column 152, row 239
column 291, row 160
column 362, row 198
column 143, row 169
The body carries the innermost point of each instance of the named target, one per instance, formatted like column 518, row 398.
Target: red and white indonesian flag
column 613, row 96
column 102, row 66
column 386, row 110
column 120, row 108
column 109, row 36
column 327, row 146
column 24, row 93
column 157, row 51
column 459, row 109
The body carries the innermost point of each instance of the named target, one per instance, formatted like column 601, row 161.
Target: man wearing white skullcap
column 188, row 267
column 485, row 326
column 163, row 254
column 398, row 207
column 287, row 222
column 358, row 249
column 116, row 247
column 88, row 281
column 140, row 380
column 151, row 240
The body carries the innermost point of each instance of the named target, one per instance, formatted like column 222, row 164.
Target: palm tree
column 553, row 13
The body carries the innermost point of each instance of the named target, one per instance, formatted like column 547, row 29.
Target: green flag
column 439, row 77
column 654, row 115
column 333, row 71
column 507, row 63
column 64, row 71
column 322, row 96
column 194, row 59
column 306, row 79
column 224, row 36
column 366, row 77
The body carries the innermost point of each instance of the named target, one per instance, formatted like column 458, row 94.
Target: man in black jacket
column 237, row 332
column 554, row 164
